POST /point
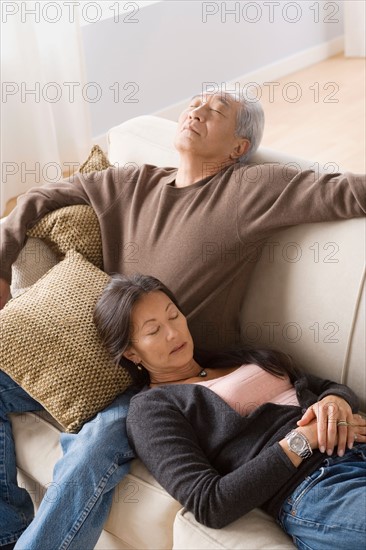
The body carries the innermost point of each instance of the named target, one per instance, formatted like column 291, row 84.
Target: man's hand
column 334, row 422
column 4, row 292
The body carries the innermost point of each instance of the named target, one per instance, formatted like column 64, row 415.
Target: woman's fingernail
column 322, row 449
column 340, row 453
column 329, row 452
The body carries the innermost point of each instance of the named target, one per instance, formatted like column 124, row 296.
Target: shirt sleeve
column 169, row 447
column 274, row 196
column 97, row 189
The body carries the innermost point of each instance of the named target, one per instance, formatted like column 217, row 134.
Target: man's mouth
column 191, row 129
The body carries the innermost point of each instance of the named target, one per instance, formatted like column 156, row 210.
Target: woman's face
column 160, row 338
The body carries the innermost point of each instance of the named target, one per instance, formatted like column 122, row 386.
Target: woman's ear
column 131, row 355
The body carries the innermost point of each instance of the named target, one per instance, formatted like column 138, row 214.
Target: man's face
column 207, row 127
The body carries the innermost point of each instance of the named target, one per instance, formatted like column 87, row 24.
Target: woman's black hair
column 112, row 317
column 112, row 313
column 275, row 362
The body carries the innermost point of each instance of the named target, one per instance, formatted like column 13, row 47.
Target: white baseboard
column 270, row 73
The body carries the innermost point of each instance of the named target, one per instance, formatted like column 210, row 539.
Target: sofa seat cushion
column 256, row 530
column 141, row 511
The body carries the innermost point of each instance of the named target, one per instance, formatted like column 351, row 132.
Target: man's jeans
column 328, row 509
column 77, row 502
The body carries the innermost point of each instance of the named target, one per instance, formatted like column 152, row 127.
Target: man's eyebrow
column 149, row 320
column 223, row 100
column 220, row 98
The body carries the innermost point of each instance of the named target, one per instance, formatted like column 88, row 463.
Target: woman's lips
column 179, row 348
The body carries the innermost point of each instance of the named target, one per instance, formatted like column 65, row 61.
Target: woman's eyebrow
column 149, row 320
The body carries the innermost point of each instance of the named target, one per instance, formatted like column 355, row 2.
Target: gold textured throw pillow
column 96, row 161
column 50, row 346
column 75, row 227
column 71, row 228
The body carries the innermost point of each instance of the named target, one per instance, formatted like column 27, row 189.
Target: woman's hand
column 334, row 423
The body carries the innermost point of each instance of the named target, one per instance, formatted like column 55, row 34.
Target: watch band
column 299, row 444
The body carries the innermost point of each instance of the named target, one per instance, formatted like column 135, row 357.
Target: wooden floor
column 327, row 123
column 317, row 113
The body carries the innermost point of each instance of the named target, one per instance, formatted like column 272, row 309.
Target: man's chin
column 186, row 142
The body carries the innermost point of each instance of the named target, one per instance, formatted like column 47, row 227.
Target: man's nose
column 197, row 113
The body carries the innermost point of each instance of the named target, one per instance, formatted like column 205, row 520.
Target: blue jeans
column 328, row 509
column 76, row 505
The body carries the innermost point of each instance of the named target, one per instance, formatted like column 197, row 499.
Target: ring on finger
column 342, row 423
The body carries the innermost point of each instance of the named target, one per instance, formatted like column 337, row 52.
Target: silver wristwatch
column 298, row 443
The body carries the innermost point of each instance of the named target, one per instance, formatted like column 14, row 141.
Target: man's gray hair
column 250, row 122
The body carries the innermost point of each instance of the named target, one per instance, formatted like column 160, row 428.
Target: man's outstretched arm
column 274, row 196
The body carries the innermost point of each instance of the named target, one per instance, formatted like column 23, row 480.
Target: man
column 177, row 220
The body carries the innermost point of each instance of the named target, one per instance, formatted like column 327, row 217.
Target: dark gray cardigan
column 218, row 464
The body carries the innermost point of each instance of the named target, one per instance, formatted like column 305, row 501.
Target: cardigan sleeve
column 322, row 388
column 175, row 458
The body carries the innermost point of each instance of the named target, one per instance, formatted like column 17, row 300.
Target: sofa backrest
column 307, row 293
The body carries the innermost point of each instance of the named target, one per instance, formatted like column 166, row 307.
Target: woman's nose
column 171, row 333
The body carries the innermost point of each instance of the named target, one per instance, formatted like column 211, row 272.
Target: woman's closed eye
column 155, row 330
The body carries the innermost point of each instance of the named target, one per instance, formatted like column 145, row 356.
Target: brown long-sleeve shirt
column 203, row 240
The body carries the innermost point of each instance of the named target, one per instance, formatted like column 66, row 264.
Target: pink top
column 249, row 386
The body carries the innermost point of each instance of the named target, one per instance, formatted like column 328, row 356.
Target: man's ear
column 240, row 149
column 131, row 355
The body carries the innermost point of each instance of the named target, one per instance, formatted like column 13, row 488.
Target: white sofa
column 306, row 297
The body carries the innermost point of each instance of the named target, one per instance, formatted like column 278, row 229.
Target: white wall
column 355, row 28
column 164, row 52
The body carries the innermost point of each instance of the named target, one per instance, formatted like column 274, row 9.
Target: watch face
column 297, row 443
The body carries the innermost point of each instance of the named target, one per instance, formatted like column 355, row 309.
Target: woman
column 226, row 433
